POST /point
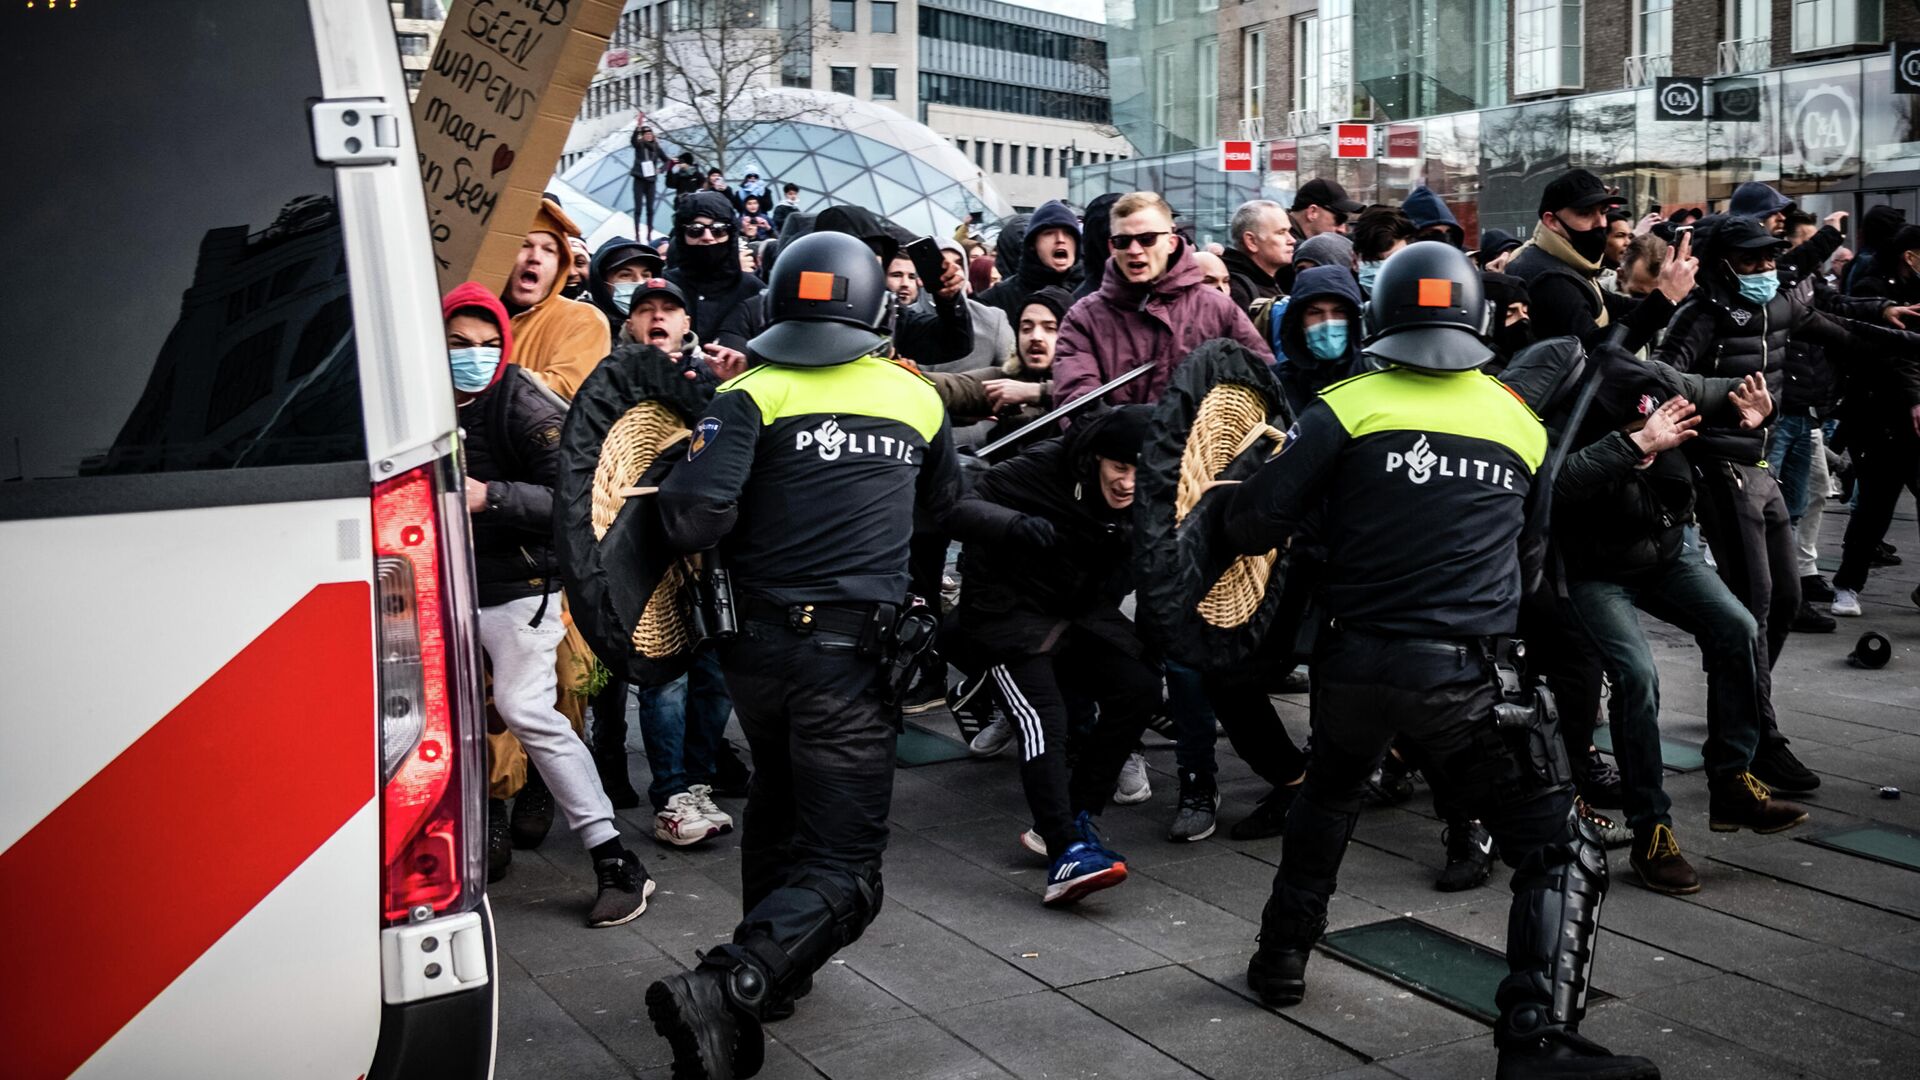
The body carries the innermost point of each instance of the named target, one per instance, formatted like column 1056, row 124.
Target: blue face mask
column 1368, row 271
column 1327, row 340
column 1759, row 288
column 623, row 294
column 473, row 368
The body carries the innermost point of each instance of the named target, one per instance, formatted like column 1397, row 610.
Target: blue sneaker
column 1085, row 867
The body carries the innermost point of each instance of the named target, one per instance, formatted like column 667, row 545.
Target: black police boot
column 1562, row 1054
column 780, row 1008
column 1278, row 970
column 712, row 1037
column 499, row 840
column 532, row 811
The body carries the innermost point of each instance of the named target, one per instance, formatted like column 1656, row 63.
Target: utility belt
column 899, row 636
column 1525, row 714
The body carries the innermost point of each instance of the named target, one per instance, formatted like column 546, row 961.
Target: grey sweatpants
column 524, row 686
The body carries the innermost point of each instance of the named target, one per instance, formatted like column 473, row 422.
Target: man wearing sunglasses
column 1319, row 208
column 703, row 259
column 1153, row 307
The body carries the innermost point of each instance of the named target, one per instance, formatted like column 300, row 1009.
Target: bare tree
column 723, row 59
column 1088, row 78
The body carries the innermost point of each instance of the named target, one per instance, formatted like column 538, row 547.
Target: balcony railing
column 1303, row 122
column 1642, row 70
column 1253, row 127
column 1745, row 54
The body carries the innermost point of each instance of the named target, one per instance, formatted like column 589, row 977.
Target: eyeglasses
column 706, row 230
column 1145, row 240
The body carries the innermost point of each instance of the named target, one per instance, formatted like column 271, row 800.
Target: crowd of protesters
column 1752, row 368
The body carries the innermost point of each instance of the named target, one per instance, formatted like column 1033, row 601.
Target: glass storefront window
column 1453, row 155
column 1669, row 161
column 1742, row 150
column 1820, row 127
column 1521, row 150
column 1892, row 126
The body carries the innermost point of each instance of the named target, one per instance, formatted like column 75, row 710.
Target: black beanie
column 1118, row 434
column 1053, row 298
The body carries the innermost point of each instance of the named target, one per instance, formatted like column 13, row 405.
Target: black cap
column 659, row 286
column 1723, row 234
column 1577, row 190
column 1327, row 193
column 618, row 253
column 1495, row 243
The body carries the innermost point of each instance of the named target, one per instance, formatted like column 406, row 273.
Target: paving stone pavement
column 1793, row 961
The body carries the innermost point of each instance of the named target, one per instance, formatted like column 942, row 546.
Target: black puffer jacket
column 1877, row 392
column 1611, row 517
column 1717, row 332
column 726, row 299
column 1019, row 601
column 511, row 440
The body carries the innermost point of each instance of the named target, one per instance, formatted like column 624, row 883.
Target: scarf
column 1589, row 270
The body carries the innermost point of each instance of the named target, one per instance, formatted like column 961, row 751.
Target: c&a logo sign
column 1826, row 130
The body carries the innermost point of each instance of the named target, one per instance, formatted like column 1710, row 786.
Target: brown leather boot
column 1741, row 801
column 1657, row 860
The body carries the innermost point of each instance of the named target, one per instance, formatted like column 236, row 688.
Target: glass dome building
column 841, row 150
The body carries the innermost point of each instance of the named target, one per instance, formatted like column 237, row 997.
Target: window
column 413, row 44
column 842, row 80
column 1253, row 74
column 1007, row 97
column 1827, row 24
column 883, row 17
column 883, row 80
column 237, row 351
column 1653, row 28
column 1046, row 161
column 1162, row 11
column 413, row 78
column 1209, row 5
column 1163, row 95
column 1033, row 155
column 996, row 157
column 1206, row 69
column 1547, row 46
column 840, row 15
column 1306, row 67
column 1340, row 97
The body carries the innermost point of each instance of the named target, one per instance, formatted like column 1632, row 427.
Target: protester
column 1152, row 308
column 939, row 333
column 1213, row 271
column 510, row 443
column 1320, row 208
column 1496, row 249
column 788, row 205
column 560, row 341
column 1327, row 249
column 993, row 335
column 684, row 177
column 1262, row 247
column 1377, row 234
column 578, row 258
column 1048, row 257
column 754, row 225
column 704, row 262
column 618, row 269
column 989, row 402
column 1431, row 218
column 649, row 163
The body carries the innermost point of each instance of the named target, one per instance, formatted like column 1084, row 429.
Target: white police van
column 241, row 776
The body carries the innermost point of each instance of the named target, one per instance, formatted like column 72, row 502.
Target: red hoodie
column 473, row 295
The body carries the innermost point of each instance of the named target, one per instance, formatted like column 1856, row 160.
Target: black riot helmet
column 1428, row 310
column 827, row 303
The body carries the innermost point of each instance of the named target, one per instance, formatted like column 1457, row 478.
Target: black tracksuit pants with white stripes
column 1035, row 690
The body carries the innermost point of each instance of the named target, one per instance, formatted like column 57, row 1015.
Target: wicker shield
column 626, row 429
column 1221, row 418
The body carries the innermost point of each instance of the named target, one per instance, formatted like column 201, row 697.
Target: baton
column 1069, row 408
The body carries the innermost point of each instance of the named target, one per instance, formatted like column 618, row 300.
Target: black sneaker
column 532, row 815
column 1269, row 817
column 1391, row 784
column 499, row 840
column 710, row 1039
column 1811, row 620
column 1567, row 1055
column 1597, row 781
column 730, row 774
column 1278, row 975
column 624, row 889
column 927, row 692
column 1817, row 588
column 1884, row 554
column 1774, row 764
column 1199, row 803
column 1469, row 857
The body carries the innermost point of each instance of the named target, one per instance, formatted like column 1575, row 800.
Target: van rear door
column 219, row 349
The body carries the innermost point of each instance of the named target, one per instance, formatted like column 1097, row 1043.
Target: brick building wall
column 1609, row 40
column 1235, row 21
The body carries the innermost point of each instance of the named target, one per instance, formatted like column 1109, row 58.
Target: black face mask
column 709, row 260
column 1589, row 244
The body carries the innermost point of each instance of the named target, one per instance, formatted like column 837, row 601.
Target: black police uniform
column 1423, row 475
column 805, row 473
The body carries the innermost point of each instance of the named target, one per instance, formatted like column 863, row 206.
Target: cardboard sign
column 506, row 81
column 1403, row 141
column 1236, row 155
column 1283, row 155
column 1352, row 141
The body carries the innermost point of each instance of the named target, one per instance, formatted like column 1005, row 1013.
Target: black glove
column 1034, row 532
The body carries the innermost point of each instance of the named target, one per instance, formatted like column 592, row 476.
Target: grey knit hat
column 1327, row 249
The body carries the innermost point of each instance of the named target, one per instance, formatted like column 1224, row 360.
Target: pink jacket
column 1120, row 327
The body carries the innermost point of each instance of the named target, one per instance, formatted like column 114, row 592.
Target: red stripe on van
column 138, row 873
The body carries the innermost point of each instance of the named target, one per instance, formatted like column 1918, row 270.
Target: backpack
column 1268, row 313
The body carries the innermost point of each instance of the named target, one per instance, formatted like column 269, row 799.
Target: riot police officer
column 1422, row 473
column 805, row 473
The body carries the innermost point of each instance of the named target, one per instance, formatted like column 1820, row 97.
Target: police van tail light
column 432, row 814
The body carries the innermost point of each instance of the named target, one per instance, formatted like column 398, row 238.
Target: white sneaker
column 1033, row 842
column 1132, row 786
column 1845, row 602
column 992, row 739
column 703, row 798
column 682, row 823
